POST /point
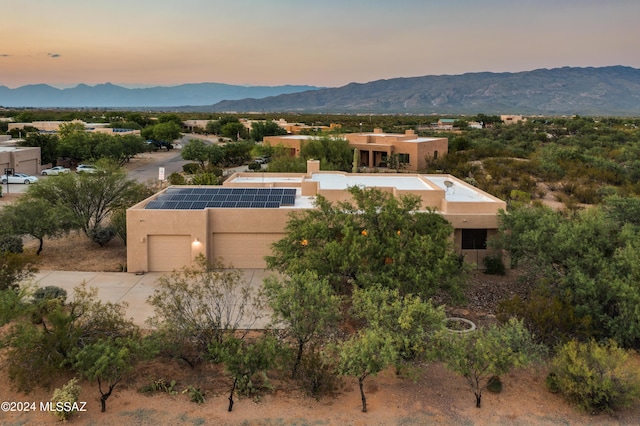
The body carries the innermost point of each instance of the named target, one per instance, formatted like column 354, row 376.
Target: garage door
column 244, row 250
column 168, row 252
column 29, row 167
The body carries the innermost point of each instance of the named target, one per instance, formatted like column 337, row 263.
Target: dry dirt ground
column 435, row 397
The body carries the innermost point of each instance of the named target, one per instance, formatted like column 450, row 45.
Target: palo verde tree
column 366, row 354
column 42, row 342
column 92, row 197
column 375, row 238
column 108, row 361
column 198, row 307
column 39, row 219
column 487, row 352
column 244, row 360
column 410, row 321
column 305, row 305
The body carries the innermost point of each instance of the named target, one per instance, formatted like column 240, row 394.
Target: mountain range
column 613, row 91
column 111, row 96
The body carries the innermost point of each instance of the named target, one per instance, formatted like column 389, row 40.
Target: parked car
column 262, row 160
column 86, row 168
column 54, row 171
column 18, row 178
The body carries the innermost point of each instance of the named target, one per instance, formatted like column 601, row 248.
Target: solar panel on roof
column 288, row 200
column 222, row 197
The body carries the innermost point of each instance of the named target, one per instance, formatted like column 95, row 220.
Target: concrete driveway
column 133, row 289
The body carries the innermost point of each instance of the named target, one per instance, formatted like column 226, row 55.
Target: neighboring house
column 375, row 148
column 240, row 220
column 20, row 159
column 54, row 127
column 445, row 124
column 512, row 119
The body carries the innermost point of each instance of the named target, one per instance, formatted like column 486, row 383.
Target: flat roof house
column 240, row 220
column 374, row 148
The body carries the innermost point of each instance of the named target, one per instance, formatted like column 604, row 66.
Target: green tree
column 243, row 360
column 410, row 321
column 589, row 258
column 196, row 150
column 92, row 197
column 15, row 268
column 488, row 352
column 375, row 238
column 41, row 343
column 261, row 129
column 198, row 307
column 165, row 132
column 48, row 145
column 366, row 354
column 306, row 305
column 70, row 128
column 234, row 131
column 595, row 376
column 108, row 361
column 39, row 219
column 333, row 153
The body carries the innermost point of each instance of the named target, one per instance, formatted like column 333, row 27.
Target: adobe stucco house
column 20, row 159
column 374, row 148
column 239, row 220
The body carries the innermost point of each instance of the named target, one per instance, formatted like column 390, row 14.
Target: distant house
column 375, row 148
column 54, row 127
column 512, row 119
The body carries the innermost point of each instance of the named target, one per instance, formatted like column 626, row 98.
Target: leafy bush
column 48, row 293
column 102, row 234
column 494, row 265
column 191, row 168
column 195, row 394
column 254, row 166
column 317, row 374
column 205, row 179
column 550, row 318
column 11, row 244
column 68, row 395
column 176, row 178
column 594, row 376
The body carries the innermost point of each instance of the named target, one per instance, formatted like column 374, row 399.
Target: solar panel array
column 202, row 198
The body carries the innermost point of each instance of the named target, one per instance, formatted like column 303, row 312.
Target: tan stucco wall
column 22, row 160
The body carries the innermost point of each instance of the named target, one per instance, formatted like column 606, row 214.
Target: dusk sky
column 321, row 43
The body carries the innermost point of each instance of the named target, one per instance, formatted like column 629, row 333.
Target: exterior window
column 403, row 158
column 435, row 155
column 474, row 239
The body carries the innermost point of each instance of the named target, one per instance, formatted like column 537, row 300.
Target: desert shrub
column 254, row 166
column 11, row 244
column 551, row 319
column 176, row 178
column 195, row 394
column 49, row 292
column 494, row 384
column 102, row 234
column 595, row 376
column 204, row 179
column 119, row 223
column 494, row 265
column 12, row 304
column 317, row 375
column 67, row 396
column 191, row 168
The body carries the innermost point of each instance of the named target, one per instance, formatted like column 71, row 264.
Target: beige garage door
column 244, row 250
column 168, row 252
column 29, row 167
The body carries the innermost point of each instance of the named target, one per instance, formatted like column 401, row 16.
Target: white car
column 54, row 171
column 18, row 178
column 86, row 168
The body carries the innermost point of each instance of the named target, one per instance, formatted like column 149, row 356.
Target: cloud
column 53, row 55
